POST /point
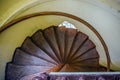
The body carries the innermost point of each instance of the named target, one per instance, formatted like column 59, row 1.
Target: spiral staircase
column 54, row 49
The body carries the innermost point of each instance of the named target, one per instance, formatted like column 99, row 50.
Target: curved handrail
column 6, row 26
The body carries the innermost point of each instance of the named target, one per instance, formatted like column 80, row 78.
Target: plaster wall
column 105, row 20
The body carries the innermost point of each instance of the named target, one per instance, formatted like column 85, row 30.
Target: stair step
column 29, row 47
column 22, row 58
column 15, row 72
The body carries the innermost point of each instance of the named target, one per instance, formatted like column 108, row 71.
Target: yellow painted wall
column 104, row 22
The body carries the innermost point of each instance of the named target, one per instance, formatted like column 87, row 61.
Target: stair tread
column 23, row 58
column 15, row 72
column 39, row 39
column 50, row 36
column 29, row 47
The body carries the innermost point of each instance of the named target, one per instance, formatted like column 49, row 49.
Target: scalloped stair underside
column 54, row 49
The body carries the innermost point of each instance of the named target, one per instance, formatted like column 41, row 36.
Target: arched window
column 67, row 25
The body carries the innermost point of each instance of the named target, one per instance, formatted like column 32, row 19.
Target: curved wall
column 104, row 20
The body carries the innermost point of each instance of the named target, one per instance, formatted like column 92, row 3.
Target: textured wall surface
column 103, row 18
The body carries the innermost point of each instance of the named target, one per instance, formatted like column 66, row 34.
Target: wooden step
column 70, row 35
column 39, row 39
column 92, row 53
column 60, row 36
column 24, row 59
column 87, row 45
column 15, row 72
column 50, row 36
column 29, row 47
column 80, row 39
